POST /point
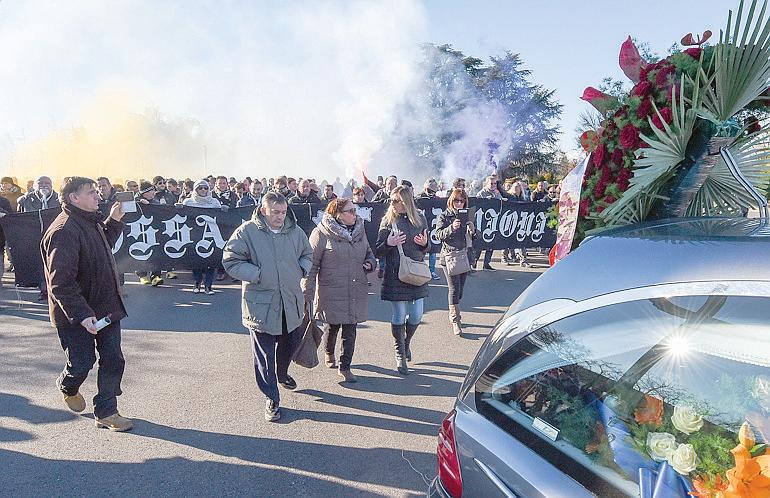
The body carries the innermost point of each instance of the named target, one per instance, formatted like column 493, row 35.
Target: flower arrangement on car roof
column 656, row 153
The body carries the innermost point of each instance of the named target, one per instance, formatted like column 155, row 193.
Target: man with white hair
column 270, row 255
column 41, row 197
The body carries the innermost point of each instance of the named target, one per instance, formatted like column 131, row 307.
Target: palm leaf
column 656, row 163
column 742, row 62
column 721, row 194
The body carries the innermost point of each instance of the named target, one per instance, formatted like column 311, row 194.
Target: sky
column 570, row 45
column 128, row 88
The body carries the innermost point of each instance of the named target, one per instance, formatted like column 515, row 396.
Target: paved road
column 189, row 385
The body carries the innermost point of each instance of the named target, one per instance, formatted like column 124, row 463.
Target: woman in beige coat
column 337, row 282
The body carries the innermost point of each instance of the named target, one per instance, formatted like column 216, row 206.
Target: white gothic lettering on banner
column 179, row 233
column 211, row 236
column 142, row 231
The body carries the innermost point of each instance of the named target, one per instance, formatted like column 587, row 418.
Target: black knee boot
column 399, row 338
column 410, row 330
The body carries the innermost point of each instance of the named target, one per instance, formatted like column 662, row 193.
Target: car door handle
column 493, row 477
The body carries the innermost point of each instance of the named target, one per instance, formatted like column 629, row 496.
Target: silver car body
column 701, row 256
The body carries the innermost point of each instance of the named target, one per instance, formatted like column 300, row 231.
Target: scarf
column 44, row 198
column 200, row 199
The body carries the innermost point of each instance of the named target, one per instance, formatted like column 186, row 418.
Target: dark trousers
column 348, row 342
column 272, row 355
column 456, row 284
column 80, row 347
column 199, row 275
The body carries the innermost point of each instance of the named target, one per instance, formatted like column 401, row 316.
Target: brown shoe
column 115, row 423
column 349, row 377
column 75, row 403
column 329, row 360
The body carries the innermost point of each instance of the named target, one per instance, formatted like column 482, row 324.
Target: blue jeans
column 199, row 275
column 407, row 311
column 432, row 262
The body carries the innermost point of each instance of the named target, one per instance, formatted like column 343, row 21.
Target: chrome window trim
column 725, row 288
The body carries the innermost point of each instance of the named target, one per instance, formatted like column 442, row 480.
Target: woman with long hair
column 402, row 225
column 456, row 232
column 337, row 283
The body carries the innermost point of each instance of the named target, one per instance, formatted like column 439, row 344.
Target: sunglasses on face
column 395, row 201
column 458, row 201
column 202, row 188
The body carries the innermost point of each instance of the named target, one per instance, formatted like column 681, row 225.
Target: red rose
column 693, row 52
column 609, row 199
column 583, row 211
column 599, row 155
column 617, row 157
column 601, row 185
column 662, row 78
column 629, row 137
column 667, row 117
column 622, row 179
column 644, row 109
column 599, row 209
column 642, row 89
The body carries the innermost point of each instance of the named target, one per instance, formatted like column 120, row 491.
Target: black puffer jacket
column 394, row 289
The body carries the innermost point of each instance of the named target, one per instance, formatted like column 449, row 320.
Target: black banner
column 159, row 237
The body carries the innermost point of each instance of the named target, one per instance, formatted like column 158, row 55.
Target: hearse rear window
column 669, row 394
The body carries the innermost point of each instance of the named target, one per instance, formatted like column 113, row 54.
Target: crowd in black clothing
column 230, row 193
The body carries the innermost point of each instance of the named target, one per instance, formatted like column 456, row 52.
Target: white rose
column 660, row 445
column 683, row 459
column 686, row 419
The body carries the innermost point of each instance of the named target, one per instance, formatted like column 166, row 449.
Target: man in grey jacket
column 270, row 255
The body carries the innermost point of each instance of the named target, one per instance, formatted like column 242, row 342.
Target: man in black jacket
column 106, row 190
column 162, row 195
column 223, row 194
column 41, row 197
column 304, row 195
column 83, row 288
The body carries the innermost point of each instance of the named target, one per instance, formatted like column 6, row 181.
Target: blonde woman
column 337, row 282
column 405, row 226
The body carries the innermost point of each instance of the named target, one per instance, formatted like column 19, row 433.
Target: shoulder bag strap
column 400, row 249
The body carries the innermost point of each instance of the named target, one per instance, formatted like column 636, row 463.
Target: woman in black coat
column 456, row 236
column 402, row 225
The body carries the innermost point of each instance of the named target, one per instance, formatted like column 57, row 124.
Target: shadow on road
column 15, row 406
column 419, row 382
column 421, row 421
column 179, row 476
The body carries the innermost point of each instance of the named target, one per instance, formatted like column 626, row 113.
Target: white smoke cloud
column 137, row 87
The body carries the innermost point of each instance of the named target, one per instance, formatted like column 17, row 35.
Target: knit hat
column 145, row 187
column 202, row 183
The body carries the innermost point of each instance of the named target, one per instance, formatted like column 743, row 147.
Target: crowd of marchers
column 286, row 277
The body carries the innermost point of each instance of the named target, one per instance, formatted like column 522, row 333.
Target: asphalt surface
column 199, row 428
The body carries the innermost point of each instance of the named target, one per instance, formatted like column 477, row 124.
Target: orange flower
column 599, row 436
column 650, row 411
column 750, row 478
column 709, row 488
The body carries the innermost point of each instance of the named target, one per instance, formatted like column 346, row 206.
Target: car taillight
column 448, row 459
